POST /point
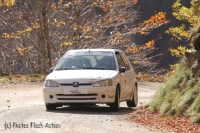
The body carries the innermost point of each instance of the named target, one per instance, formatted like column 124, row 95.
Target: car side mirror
column 122, row 69
column 51, row 70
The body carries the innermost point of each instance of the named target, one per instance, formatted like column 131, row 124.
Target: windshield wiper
column 88, row 67
column 64, row 68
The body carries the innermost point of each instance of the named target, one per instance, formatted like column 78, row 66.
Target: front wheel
column 134, row 101
column 50, row 106
column 115, row 106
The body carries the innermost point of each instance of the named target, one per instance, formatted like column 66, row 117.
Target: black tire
column 115, row 106
column 50, row 106
column 134, row 101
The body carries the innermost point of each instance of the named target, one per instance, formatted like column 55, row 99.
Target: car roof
column 77, row 50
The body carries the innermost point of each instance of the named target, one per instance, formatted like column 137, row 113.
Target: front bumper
column 86, row 94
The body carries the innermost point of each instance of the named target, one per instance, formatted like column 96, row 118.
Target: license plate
column 75, row 91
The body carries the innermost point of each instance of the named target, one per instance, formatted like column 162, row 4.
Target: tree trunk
column 46, row 28
column 44, row 42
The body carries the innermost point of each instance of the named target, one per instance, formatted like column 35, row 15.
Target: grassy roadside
column 179, row 95
column 175, row 106
column 22, row 78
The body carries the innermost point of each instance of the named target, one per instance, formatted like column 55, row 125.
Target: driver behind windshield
column 78, row 62
column 107, row 63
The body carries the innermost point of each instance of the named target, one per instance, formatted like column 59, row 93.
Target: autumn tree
column 181, row 32
column 35, row 33
column 179, row 95
column 184, row 14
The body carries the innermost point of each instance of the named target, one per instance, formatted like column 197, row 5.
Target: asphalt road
column 22, row 110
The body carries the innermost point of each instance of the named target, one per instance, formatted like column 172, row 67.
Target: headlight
column 103, row 83
column 49, row 83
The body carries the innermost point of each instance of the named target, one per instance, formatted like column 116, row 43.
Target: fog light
column 51, row 96
column 103, row 96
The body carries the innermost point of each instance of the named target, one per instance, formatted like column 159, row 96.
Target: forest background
column 35, row 34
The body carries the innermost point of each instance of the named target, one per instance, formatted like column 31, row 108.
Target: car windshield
column 99, row 60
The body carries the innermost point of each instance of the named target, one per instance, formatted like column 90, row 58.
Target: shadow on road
column 95, row 110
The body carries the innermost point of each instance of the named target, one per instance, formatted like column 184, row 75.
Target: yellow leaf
column 94, row 3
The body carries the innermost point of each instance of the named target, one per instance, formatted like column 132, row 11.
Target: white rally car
column 91, row 76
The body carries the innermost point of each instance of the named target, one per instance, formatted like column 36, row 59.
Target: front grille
column 76, row 96
column 80, row 84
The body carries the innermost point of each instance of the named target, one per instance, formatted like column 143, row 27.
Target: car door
column 121, row 75
column 128, row 75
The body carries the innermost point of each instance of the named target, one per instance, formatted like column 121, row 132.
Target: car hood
column 81, row 74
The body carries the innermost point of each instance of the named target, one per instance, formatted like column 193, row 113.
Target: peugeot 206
column 91, row 76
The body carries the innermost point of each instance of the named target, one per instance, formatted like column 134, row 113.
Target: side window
column 127, row 64
column 119, row 60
